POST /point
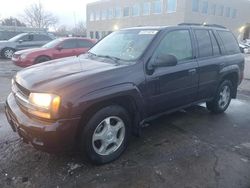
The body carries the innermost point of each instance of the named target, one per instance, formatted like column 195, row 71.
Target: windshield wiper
column 115, row 59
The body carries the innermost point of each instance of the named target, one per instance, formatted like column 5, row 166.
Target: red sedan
column 58, row 48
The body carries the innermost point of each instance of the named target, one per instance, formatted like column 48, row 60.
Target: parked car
column 244, row 48
column 58, row 48
column 93, row 102
column 23, row 41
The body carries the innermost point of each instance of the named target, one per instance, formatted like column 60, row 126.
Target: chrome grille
column 21, row 95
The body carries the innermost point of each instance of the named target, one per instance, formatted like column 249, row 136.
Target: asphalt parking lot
column 190, row 148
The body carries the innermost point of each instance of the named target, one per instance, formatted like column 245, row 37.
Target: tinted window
column 157, row 7
column 229, row 41
column 204, row 43
column 68, row 44
column 216, row 49
column 126, row 11
column 146, row 8
column 136, row 10
column 110, row 13
column 84, row 44
column 213, row 10
column 41, row 38
column 177, row 43
column 117, row 12
column 205, row 7
column 195, row 5
column 104, row 14
column 221, row 10
column 91, row 33
column 171, row 6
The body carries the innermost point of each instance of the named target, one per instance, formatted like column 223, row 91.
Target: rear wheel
column 222, row 98
column 106, row 135
column 42, row 59
column 7, row 53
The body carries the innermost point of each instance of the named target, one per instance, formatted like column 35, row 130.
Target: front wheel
column 222, row 98
column 106, row 135
column 7, row 53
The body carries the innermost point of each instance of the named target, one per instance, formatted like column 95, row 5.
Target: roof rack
column 204, row 24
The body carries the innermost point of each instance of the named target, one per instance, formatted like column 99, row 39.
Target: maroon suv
column 58, row 48
column 94, row 101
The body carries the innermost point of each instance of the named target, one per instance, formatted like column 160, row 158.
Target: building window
column 157, row 7
column 228, row 10
column 146, row 9
column 97, row 16
column 213, row 9
column 126, row 12
column 234, row 13
column 195, row 5
column 204, row 7
column 92, row 16
column 97, row 36
column 221, row 10
column 91, row 33
column 136, row 10
column 110, row 13
column 103, row 34
column 104, row 14
column 171, row 6
column 117, row 12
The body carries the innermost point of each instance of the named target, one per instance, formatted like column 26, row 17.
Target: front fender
column 109, row 93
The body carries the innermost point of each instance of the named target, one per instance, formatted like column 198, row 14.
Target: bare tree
column 36, row 16
column 12, row 22
column 79, row 29
column 62, row 31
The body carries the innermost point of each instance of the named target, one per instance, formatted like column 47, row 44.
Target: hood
column 30, row 51
column 2, row 42
column 57, row 74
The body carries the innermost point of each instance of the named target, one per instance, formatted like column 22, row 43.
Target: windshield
column 16, row 38
column 52, row 43
column 125, row 45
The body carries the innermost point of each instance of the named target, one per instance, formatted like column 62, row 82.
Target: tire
column 42, row 59
column 222, row 98
column 7, row 53
column 107, row 126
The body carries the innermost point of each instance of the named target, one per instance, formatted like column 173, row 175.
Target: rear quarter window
column 230, row 43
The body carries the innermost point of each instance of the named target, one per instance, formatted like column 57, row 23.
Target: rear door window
column 69, row 44
column 216, row 49
column 204, row 43
column 41, row 38
column 84, row 44
column 230, row 43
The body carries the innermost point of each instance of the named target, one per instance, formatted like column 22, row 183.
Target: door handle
column 192, row 71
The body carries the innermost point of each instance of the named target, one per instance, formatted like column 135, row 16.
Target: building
column 105, row 16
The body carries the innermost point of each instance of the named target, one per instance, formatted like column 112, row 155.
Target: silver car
column 23, row 41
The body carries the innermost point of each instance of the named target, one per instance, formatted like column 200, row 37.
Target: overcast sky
column 64, row 10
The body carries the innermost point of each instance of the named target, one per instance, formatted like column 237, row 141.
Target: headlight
column 44, row 105
column 23, row 56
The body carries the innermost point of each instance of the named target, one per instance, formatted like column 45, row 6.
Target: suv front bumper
column 56, row 136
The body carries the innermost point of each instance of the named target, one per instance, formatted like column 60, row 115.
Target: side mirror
column 20, row 41
column 165, row 60
column 59, row 48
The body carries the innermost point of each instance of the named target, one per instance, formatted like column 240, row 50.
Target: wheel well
column 127, row 102
column 234, row 78
column 42, row 56
column 7, row 48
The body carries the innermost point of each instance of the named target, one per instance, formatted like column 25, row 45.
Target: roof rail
column 204, row 24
